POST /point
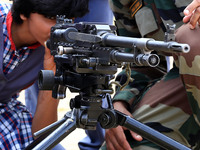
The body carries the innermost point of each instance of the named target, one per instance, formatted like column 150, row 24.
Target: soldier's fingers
column 115, row 138
column 191, row 7
column 195, row 18
column 187, row 18
column 136, row 136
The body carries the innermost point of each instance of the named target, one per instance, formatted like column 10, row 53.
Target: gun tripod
column 86, row 112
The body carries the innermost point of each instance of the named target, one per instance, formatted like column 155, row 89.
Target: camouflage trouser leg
column 161, row 111
column 144, row 145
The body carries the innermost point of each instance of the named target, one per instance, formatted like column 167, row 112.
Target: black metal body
column 87, row 56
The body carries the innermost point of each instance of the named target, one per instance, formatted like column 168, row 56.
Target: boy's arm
column 46, row 111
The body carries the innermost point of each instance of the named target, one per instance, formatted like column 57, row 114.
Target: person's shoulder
column 4, row 8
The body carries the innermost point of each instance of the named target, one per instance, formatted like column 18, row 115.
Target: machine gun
column 87, row 56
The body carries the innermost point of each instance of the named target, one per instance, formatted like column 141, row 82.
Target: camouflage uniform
column 169, row 104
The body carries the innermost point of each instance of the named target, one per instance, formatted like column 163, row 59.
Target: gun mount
column 87, row 56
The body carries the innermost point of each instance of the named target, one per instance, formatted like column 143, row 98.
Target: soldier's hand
column 192, row 13
column 115, row 137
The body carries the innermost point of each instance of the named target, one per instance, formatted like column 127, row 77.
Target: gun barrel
column 147, row 44
column 168, row 46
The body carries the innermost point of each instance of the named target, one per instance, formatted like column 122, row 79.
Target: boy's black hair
column 50, row 8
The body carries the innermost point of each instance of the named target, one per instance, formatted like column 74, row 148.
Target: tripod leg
column 149, row 133
column 56, row 136
column 47, row 130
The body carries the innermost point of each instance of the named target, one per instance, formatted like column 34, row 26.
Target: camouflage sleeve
column 189, row 66
column 143, row 77
column 126, row 25
column 132, row 90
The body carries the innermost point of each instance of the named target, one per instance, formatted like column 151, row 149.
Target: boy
column 24, row 28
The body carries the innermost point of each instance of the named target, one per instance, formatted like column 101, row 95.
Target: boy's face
column 40, row 26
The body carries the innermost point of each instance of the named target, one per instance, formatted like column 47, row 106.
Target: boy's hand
column 49, row 63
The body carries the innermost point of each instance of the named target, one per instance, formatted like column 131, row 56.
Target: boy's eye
column 50, row 17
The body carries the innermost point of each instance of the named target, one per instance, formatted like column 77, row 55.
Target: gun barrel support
column 140, row 59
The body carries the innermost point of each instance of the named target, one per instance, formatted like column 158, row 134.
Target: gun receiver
column 110, row 39
column 104, row 35
column 92, row 51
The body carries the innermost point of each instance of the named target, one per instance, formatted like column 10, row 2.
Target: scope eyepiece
column 46, row 80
